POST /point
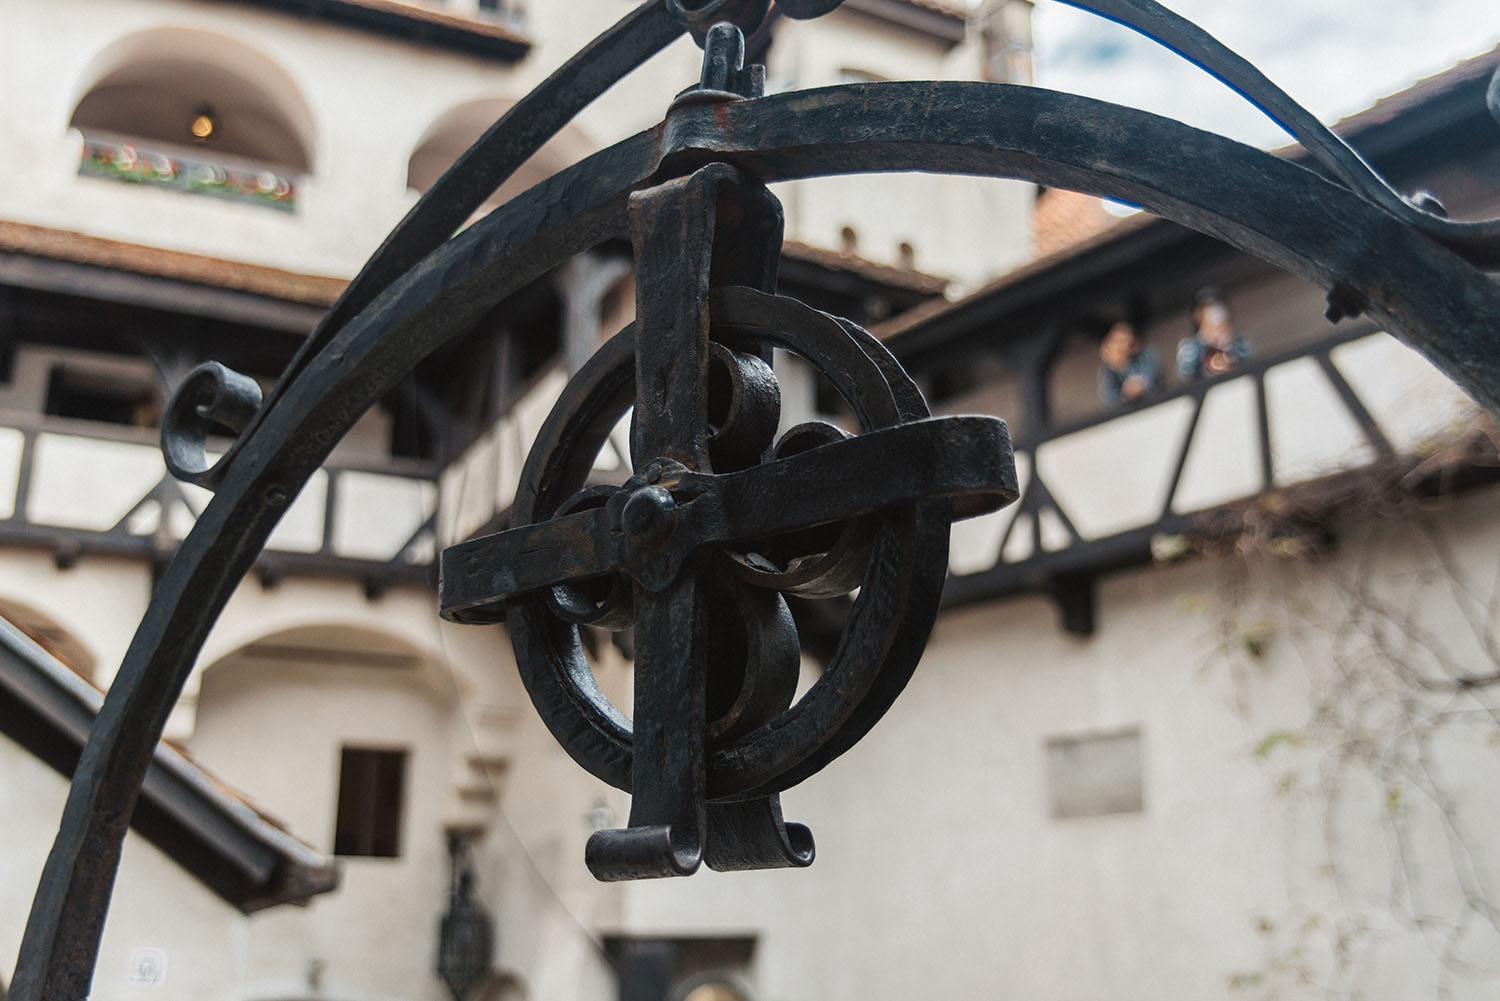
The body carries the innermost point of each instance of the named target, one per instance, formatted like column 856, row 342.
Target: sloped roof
column 1425, row 90
column 415, row 23
column 908, row 279
column 1383, row 112
column 119, row 255
column 213, row 832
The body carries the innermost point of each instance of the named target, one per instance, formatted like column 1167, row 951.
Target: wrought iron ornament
column 722, row 517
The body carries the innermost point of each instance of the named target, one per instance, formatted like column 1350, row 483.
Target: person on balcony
column 1128, row 370
column 1215, row 346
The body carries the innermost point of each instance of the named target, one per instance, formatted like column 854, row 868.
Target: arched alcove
column 50, row 635
column 153, row 85
column 295, row 716
column 455, row 131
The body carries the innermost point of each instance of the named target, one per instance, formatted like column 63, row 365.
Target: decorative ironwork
column 696, row 549
column 466, row 934
column 684, row 531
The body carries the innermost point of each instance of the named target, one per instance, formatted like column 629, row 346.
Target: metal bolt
column 649, row 517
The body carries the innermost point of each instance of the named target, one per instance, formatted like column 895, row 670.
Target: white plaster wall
column 969, row 229
column 274, row 730
column 373, row 99
column 940, row 873
column 100, row 600
column 156, row 905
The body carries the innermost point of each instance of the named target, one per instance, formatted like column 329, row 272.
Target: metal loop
column 744, row 404
column 698, row 16
column 210, row 395
column 602, row 602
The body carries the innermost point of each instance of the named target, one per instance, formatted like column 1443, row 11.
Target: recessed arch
column 151, row 85
column 455, row 131
column 309, row 643
column 54, row 637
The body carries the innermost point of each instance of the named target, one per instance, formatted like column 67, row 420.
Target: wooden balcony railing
column 80, row 487
column 1096, row 493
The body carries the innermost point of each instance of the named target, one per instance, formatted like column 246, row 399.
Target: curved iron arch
column 1268, row 207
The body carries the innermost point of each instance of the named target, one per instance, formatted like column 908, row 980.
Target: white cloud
column 1333, row 56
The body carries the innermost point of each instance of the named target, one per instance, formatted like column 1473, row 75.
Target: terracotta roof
column 837, row 260
column 81, row 248
column 935, row 7
column 1062, row 218
column 941, row 9
column 322, row 290
column 456, row 22
column 411, row 22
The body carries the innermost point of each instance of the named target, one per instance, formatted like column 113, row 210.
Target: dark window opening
column 371, row 785
column 537, row 346
column 418, row 421
column 458, row 392
column 682, row 969
column 96, row 396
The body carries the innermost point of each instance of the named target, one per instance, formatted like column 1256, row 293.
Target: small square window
column 371, row 785
column 1094, row 775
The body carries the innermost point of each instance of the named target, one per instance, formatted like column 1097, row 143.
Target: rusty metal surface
column 718, row 803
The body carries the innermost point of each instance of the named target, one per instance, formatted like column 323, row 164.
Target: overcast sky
column 1335, row 57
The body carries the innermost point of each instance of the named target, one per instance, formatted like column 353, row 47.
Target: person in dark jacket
column 1215, row 346
column 1128, row 370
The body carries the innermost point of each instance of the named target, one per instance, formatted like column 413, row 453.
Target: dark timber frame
column 1397, row 259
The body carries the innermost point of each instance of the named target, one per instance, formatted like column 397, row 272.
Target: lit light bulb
column 204, row 128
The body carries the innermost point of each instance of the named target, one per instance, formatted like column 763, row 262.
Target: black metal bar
column 1021, row 507
column 330, row 499
column 672, row 229
column 1356, row 406
column 1045, row 499
column 1287, row 215
column 1277, row 211
column 23, row 475
column 1263, row 430
column 1182, row 456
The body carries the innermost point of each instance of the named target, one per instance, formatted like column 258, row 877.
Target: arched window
column 47, row 633
column 195, row 111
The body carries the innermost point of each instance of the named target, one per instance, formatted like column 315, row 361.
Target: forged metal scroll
column 1270, row 208
column 1477, row 241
